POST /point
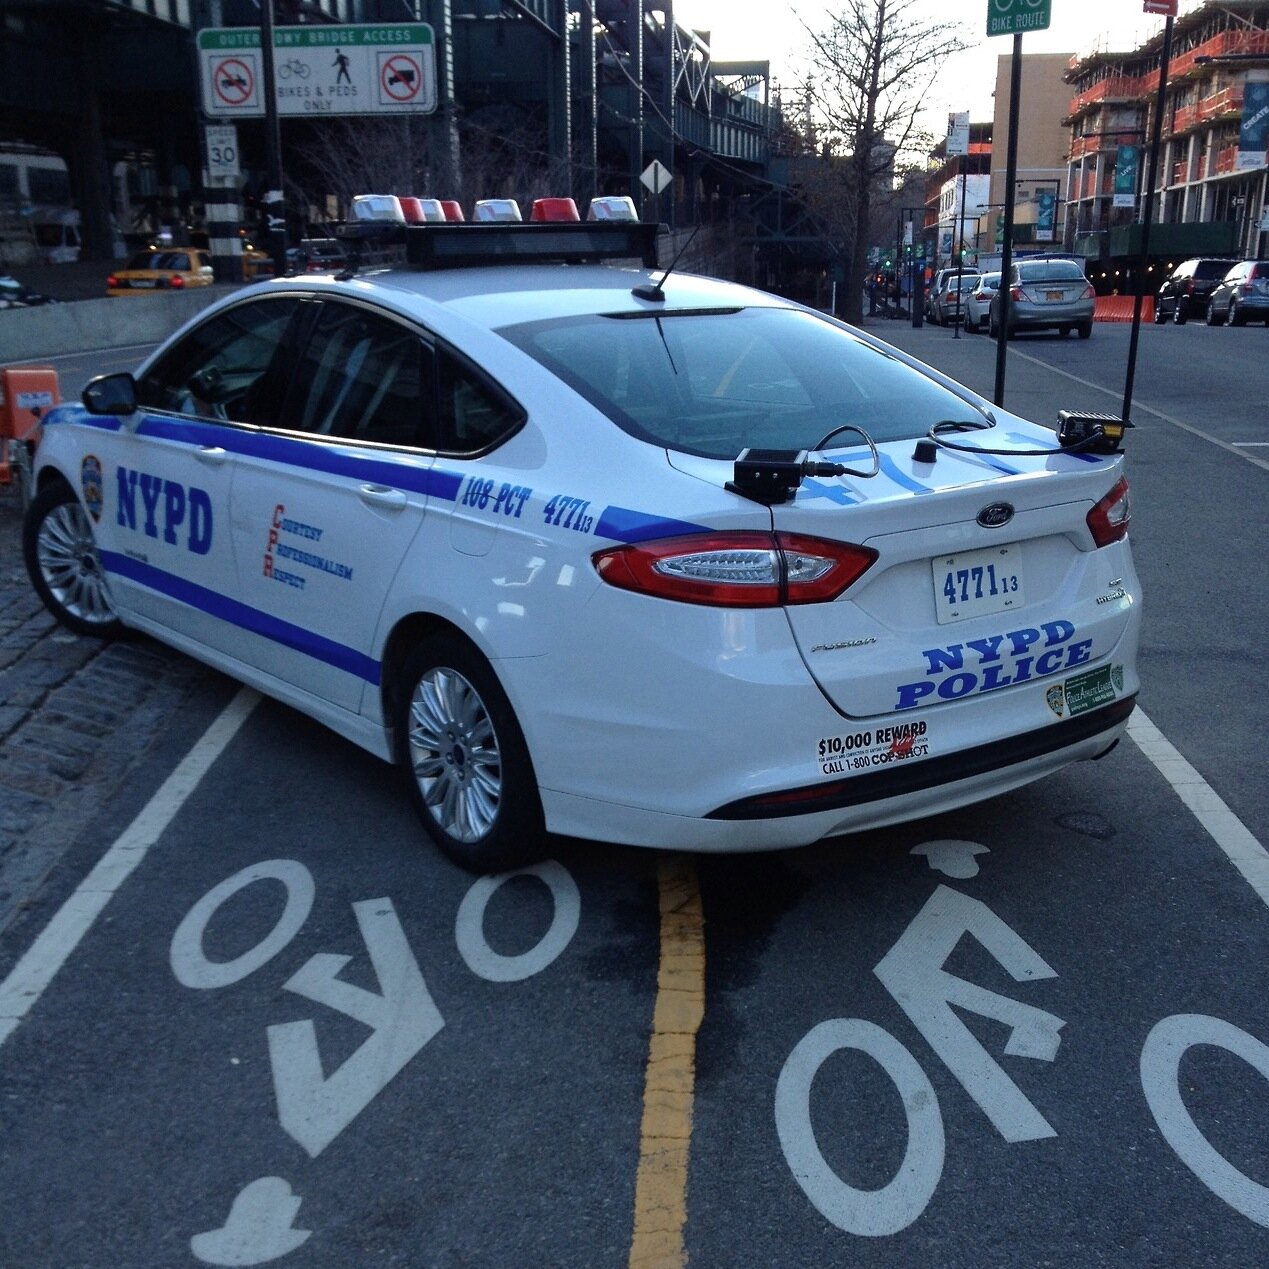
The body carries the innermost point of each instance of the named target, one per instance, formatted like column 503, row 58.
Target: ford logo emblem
column 995, row 514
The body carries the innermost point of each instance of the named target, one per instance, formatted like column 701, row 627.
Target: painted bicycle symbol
column 294, row 66
column 935, row 1000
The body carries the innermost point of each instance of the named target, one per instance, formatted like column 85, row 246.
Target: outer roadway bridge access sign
column 320, row 70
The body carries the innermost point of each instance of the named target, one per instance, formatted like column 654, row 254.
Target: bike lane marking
column 665, row 1135
column 48, row 953
column 1204, row 803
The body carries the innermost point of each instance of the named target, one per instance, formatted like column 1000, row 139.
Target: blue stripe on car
column 400, row 473
column 245, row 617
column 625, row 525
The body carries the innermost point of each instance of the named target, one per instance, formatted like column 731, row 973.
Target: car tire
column 1179, row 314
column 1085, row 329
column 1235, row 317
column 61, row 559
column 470, row 775
column 1159, row 316
column 1212, row 319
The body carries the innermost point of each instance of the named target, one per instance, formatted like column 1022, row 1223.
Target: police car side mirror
column 111, row 394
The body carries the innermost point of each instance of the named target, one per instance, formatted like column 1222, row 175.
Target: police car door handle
column 382, row 496
column 212, row 455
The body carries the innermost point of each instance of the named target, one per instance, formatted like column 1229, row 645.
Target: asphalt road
column 273, row 1027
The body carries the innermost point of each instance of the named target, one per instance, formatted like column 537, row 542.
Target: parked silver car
column 978, row 302
column 952, row 297
column 1046, row 293
column 1241, row 296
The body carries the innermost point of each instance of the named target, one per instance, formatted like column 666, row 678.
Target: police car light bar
column 452, row 246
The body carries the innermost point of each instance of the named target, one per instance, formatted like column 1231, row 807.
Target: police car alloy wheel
column 61, row 558
column 470, row 775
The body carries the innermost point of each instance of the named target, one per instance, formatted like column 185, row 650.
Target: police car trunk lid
column 985, row 579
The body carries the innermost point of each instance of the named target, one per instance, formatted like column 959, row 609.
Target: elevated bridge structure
column 600, row 89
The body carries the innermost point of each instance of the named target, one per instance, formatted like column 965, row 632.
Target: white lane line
column 1159, row 414
column 1252, row 444
column 1225, row 828
column 40, row 963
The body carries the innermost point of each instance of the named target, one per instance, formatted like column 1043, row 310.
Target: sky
column 759, row 30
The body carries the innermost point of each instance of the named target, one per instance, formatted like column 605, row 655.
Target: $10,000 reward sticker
column 872, row 747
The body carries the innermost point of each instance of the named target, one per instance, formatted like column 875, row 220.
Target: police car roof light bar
column 452, row 246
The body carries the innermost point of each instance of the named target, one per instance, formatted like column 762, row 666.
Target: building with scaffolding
column 1211, row 196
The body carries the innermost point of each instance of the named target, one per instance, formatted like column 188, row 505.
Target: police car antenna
column 656, row 290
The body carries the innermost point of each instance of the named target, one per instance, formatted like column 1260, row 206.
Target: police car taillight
column 378, row 207
column 1108, row 521
column 612, row 207
column 497, row 209
column 744, row 569
column 554, row 209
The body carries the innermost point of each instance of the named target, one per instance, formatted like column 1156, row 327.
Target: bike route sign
column 374, row 68
column 1016, row 17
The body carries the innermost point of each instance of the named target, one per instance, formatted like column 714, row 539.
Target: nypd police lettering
column 169, row 501
column 982, row 665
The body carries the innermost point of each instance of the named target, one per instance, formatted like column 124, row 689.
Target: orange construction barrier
column 1118, row 308
column 26, row 394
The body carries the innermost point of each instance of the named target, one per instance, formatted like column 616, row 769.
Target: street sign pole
column 1006, row 258
column 1147, row 215
column 274, row 205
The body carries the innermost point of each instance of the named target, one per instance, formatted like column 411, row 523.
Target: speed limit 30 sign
column 222, row 150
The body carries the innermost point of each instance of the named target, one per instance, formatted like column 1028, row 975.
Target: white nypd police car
column 593, row 550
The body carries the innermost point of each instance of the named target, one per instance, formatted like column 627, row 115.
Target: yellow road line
column 666, row 1132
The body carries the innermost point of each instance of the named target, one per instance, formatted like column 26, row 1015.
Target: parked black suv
column 1185, row 290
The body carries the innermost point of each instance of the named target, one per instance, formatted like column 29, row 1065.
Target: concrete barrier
column 31, row 334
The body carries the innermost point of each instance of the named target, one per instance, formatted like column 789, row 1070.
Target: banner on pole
column 1253, row 134
column 1127, row 164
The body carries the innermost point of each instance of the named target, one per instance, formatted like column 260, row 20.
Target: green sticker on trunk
column 1090, row 690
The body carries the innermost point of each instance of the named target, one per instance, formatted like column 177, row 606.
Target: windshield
column 1050, row 271
column 712, row 383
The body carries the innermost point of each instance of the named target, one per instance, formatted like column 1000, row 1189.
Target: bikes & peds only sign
column 369, row 69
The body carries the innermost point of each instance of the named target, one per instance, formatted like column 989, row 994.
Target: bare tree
column 874, row 65
column 499, row 157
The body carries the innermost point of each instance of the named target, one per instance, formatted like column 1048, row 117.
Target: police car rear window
column 712, row 383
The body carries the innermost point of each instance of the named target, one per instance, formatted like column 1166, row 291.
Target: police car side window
column 220, row 369
column 366, row 378
column 474, row 413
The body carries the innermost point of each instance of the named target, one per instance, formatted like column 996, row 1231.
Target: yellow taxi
column 163, row 269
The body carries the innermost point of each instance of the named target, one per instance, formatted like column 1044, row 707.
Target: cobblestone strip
column 75, row 714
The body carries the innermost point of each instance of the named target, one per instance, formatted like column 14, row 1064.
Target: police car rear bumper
column 897, row 795
column 903, row 779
